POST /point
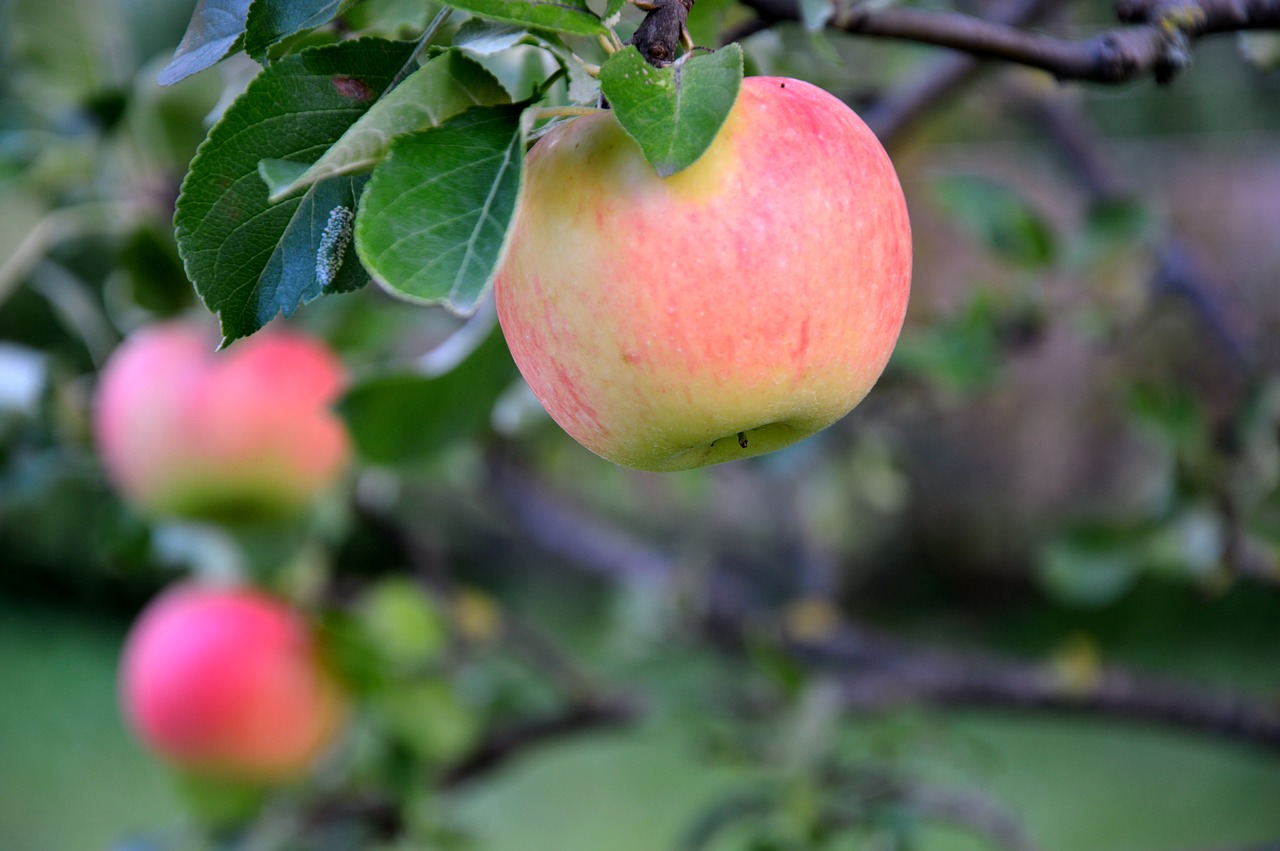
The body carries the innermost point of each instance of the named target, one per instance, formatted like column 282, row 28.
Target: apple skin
column 228, row 684
column 729, row 310
column 184, row 430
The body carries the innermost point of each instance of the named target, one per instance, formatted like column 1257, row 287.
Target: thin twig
column 1158, row 44
column 424, row 41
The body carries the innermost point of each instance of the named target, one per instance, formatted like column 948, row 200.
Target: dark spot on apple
column 353, row 87
column 742, row 439
column 783, row 85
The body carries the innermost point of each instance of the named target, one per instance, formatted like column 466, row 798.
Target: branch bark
column 879, row 672
column 895, row 674
column 891, row 115
column 500, row 747
column 982, row 815
column 1159, row 42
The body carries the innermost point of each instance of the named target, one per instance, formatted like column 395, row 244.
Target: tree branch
column 891, row 115
column 879, row 672
column 1159, row 43
column 565, row 531
column 1178, row 272
column 893, row 676
column 979, row 813
column 505, row 744
column 587, row 709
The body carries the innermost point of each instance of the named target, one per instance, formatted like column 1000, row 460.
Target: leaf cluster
column 353, row 159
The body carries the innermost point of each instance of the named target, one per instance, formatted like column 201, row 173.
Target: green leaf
column 439, row 90
column 1091, row 567
column 397, row 419
column 816, row 13
column 280, row 176
column 487, row 37
column 1261, row 49
column 1190, row 543
column 215, row 29
column 570, row 16
column 249, row 259
column 673, row 113
column 583, row 88
column 403, row 623
column 434, row 221
column 270, row 21
column 1117, row 224
column 613, row 7
column 313, row 256
column 217, row 803
column 997, row 215
column 1172, row 412
column 962, row 352
column 427, row 717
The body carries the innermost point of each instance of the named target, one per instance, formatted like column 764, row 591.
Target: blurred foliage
column 1074, row 457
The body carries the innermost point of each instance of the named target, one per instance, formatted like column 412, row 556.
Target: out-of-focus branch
column 571, row 533
column 538, row 650
column 906, row 673
column 1178, row 272
column 890, row 116
column 971, row 809
column 879, row 672
column 894, row 112
column 586, row 708
column 501, row 746
column 1159, row 43
column 1244, row 553
column 1069, row 130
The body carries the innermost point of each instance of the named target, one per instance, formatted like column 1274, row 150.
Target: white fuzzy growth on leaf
column 333, row 244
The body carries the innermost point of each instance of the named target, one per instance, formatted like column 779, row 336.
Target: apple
column 184, row 430
column 229, row 684
column 728, row 310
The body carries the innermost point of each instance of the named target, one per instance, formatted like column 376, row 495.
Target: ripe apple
column 229, row 684
column 187, row 431
column 728, row 310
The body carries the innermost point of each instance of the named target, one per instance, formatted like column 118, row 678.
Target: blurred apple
column 728, row 310
column 187, row 431
column 229, row 684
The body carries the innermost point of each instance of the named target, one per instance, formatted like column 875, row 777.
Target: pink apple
column 728, row 310
column 188, row 431
column 229, row 684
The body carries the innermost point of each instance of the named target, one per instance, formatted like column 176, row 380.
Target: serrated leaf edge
column 449, row 302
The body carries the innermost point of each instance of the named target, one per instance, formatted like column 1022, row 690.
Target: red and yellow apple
column 229, row 684
column 184, row 430
column 728, row 310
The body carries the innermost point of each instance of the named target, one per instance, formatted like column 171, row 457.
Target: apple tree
column 305, row 307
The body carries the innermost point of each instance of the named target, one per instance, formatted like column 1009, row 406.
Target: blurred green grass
column 71, row 779
column 1077, row 784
